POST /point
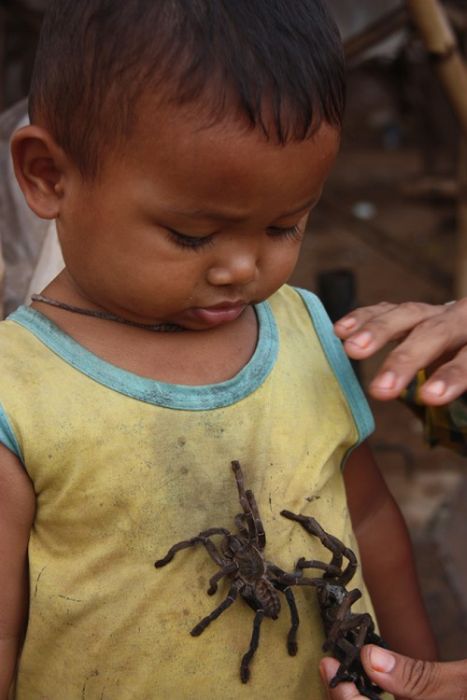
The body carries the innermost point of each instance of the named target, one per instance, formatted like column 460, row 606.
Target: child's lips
column 218, row 314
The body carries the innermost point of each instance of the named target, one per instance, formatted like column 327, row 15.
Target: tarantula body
column 345, row 632
column 252, row 571
column 259, row 582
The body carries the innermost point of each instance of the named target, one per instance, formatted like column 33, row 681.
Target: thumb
column 414, row 679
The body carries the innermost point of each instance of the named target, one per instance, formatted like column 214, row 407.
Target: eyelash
column 293, row 232
column 191, row 242
column 196, row 244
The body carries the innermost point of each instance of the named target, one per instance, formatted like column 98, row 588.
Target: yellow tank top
column 124, row 467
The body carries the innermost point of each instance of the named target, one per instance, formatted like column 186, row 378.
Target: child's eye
column 293, row 232
column 185, row 241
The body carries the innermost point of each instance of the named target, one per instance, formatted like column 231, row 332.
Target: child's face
column 188, row 225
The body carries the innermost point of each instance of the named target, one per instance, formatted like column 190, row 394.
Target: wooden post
column 440, row 42
column 461, row 258
column 2, row 57
column 431, row 21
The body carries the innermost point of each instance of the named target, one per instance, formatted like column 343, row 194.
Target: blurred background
column 391, row 226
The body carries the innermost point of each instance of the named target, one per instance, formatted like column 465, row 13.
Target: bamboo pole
column 431, row 21
column 2, row 56
column 461, row 258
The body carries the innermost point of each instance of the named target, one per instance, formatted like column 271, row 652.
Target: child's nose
column 239, row 268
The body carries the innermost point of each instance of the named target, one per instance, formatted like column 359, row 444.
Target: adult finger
column 389, row 324
column 414, row 679
column 438, row 337
column 356, row 319
column 446, row 383
column 344, row 691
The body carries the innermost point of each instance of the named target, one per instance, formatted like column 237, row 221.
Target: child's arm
column 386, row 559
column 17, row 507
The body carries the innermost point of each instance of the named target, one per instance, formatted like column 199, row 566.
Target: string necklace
column 106, row 316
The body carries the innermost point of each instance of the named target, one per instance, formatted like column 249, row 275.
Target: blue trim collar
column 176, row 396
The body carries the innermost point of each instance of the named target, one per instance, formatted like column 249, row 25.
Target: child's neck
column 191, row 357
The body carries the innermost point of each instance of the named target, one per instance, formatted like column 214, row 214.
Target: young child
column 180, row 148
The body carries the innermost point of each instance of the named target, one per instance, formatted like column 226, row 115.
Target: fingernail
column 438, row 388
column 362, row 339
column 381, row 660
column 347, row 322
column 386, row 381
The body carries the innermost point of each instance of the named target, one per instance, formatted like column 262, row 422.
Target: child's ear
column 38, row 162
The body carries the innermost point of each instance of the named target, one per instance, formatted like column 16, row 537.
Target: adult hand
column 428, row 336
column 408, row 678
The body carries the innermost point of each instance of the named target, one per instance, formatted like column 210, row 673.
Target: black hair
column 96, row 58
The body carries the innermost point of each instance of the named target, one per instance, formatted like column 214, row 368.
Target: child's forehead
column 190, row 133
column 191, row 165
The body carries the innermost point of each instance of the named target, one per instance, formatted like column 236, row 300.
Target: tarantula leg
column 367, row 692
column 201, row 626
column 314, row 528
column 260, row 535
column 343, row 673
column 295, row 579
column 343, row 623
column 335, row 546
column 364, row 684
column 241, row 487
column 245, row 665
column 201, row 538
column 302, row 563
column 250, row 508
column 362, row 625
column 348, row 573
column 342, row 613
column 349, row 655
column 240, row 525
column 213, row 581
column 292, row 646
column 366, row 628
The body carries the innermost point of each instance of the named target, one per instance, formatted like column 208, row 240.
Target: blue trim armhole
column 7, row 435
column 340, row 365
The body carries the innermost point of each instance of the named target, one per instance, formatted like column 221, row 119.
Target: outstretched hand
column 428, row 336
column 408, row 678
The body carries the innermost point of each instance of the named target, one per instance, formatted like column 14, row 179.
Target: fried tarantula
column 346, row 632
column 259, row 582
column 256, row 580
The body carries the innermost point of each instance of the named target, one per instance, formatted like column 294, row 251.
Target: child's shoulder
column 293, row 296
column 20, row 349
column 12, row 333
column 302, row 307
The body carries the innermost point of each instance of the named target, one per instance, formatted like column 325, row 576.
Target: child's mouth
column 218, row 314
